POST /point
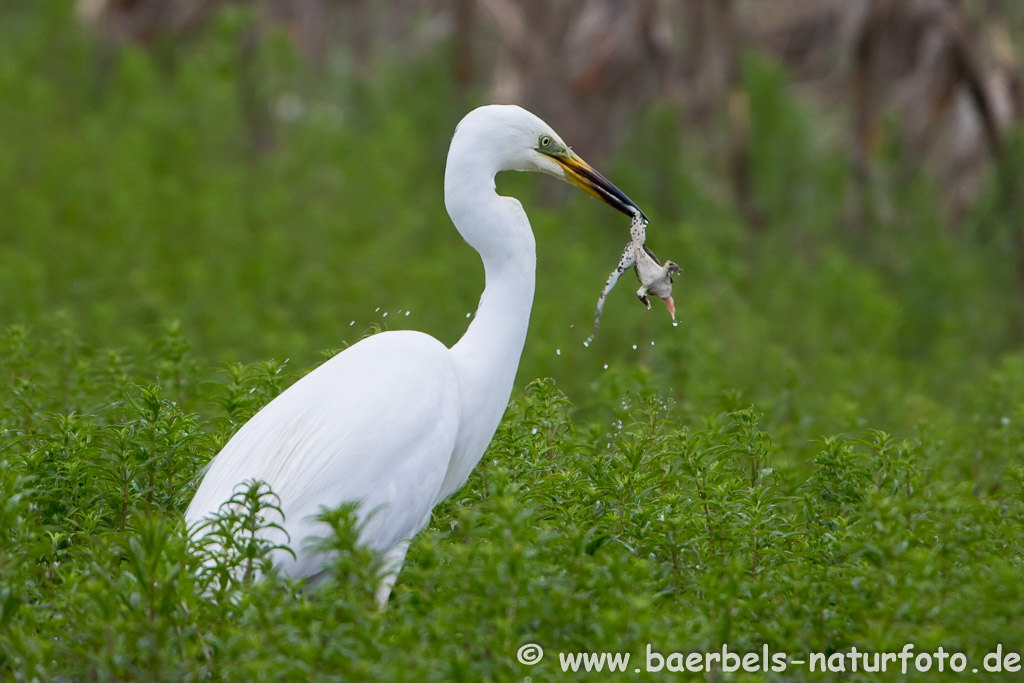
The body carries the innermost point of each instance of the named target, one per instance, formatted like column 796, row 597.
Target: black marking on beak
column 583, row 175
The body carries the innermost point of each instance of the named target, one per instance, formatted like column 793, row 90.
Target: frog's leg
column 625, row 262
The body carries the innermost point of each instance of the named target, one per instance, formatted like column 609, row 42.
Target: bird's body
column 354, row 420
column 398, row 421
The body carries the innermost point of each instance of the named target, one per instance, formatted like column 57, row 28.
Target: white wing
column 375, row 424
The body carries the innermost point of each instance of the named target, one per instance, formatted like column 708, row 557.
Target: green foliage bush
column 660, row 526
column 825, row 453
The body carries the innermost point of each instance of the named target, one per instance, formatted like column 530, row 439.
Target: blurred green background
column 278, row 208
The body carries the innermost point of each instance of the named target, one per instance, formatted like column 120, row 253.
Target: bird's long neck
column 487, row 355
column 489, row 351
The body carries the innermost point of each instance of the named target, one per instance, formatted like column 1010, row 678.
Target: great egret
column 397, row 421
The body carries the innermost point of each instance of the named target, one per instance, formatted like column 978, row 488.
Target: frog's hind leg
column 625, row 262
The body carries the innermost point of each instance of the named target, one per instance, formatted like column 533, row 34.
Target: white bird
column 398, row 421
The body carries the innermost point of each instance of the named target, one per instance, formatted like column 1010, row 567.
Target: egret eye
column 545, row 140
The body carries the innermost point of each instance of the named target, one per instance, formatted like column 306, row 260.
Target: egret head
column 516, row 140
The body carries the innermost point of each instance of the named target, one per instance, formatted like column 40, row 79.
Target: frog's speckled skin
column 654, row 277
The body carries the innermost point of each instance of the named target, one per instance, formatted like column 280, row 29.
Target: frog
column 655, row 277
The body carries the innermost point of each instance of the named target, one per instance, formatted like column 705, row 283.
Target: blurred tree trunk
column 716, row 95
column 946, row 68
column 254, row 108
column 360, row 36
column 463, row 66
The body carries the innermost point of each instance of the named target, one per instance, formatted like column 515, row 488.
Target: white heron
column 397, row 421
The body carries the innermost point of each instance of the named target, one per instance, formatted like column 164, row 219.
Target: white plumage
column 398, row 421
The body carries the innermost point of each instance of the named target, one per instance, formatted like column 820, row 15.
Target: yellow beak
column 583, row 175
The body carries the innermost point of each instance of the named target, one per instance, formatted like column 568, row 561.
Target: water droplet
column 586, row 344
column 376, row 310
column 605, row 366
column 558, row 352
column 407, row 314
column 652, row 343
column 385, row 314
column 572, row 325
column 469, row 315
column 675, row 323
column 352, row 323
column 634, row 347
column 533, row 431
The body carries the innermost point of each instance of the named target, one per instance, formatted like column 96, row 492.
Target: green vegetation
column 825, row 453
